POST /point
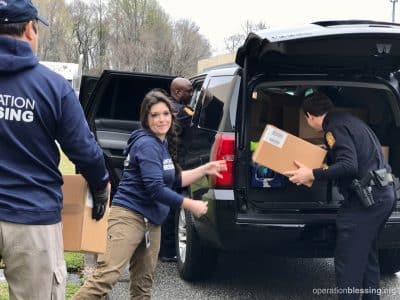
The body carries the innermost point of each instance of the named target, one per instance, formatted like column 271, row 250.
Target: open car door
column 112, row 109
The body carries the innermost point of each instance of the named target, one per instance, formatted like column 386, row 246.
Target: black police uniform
column 183, row 117
column 354, row 151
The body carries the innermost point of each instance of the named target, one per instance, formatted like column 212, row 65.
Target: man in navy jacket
column 37, row 108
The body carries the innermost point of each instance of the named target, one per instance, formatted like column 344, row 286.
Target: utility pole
column 393, row 9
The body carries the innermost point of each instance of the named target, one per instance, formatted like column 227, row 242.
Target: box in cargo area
column 278, row 150
column 81, row 233
column 385, row 151
column 294, row 120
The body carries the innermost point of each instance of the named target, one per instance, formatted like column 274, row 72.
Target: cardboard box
column 385, row 150
column 81, row 233
column 295, row 122
column 278, row 150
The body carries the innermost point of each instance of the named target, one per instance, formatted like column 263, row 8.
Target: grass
column 3, row 291
column 66, row 166
column 75, row 263
column 70, row 290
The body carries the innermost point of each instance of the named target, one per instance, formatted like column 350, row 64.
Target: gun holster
column 363, row 192
column 396, row 185
column 379, row 178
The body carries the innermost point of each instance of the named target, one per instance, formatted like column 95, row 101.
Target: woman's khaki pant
column 125, row 244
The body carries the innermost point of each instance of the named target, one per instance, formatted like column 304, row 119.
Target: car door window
column 214, row 103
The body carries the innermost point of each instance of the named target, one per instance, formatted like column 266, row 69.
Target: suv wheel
column 389, row 260
column 195, row 260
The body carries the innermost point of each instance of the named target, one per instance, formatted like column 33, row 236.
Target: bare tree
column 159, row 37
column 189, row 47
column 250, row 26
column 147, row 42
column 55, row 40
column 126, row 41
column 85, row 32
column 233, row 42
column 127, row 35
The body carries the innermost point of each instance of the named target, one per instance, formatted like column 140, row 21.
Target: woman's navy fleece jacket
column 148, row 178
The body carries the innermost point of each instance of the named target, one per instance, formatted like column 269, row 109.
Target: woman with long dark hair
column 142, row 202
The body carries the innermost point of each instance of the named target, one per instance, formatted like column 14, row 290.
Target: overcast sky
column 219, row 19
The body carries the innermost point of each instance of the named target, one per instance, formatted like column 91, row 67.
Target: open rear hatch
column 324, row 47
column 352, row 62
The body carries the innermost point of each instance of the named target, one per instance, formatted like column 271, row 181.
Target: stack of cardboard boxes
column 294, row 122
column 287, row 136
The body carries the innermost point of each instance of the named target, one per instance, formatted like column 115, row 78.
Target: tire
column 196, row 261
column 389, row 261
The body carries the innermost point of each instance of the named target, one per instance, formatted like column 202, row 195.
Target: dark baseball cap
column 18, row 11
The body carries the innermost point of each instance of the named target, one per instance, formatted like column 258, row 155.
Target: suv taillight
column 224, row 148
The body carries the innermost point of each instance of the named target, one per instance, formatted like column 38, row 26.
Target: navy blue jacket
column 148, row 178
column 354, row 149
column 37, row 108
column 183, row 117
column 183, row 113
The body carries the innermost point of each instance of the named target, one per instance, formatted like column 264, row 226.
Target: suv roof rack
column 355, row 22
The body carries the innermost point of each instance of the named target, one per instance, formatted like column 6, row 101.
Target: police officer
column 181, row 92
column 357, row 163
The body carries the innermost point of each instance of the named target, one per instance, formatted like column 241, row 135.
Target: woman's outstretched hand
column 215, row 167
column 197, row 207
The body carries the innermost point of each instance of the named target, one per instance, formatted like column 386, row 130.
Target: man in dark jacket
column 357, row 164
column 181, row 93
column 37, row 108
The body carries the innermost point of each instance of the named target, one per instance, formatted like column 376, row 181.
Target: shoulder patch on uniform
column 330, row 139
column 188, row 111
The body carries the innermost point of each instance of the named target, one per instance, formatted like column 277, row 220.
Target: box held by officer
column 278, row 149
column 81, row 233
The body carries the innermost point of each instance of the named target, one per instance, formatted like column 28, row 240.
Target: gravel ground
column 240, row 277
column 249, row 277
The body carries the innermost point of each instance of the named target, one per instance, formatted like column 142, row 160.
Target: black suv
column 252, row 207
